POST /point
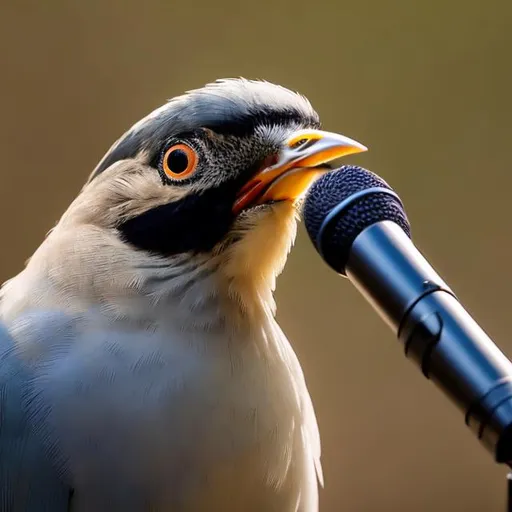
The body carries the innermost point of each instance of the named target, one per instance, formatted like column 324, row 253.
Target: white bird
column 142, row 368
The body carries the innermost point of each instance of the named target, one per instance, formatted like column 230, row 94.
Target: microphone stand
column 509, row 492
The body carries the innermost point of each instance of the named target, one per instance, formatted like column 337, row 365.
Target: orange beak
column 298, row 166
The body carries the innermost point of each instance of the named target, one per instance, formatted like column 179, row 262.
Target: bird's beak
column 299, row 163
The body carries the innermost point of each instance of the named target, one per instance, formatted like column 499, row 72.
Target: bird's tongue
column 288, row 186
column 249, row 194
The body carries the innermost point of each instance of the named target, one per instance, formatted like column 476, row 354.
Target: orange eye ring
column 179, row 161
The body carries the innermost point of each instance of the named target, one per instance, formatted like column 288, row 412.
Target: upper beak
column 299, row 164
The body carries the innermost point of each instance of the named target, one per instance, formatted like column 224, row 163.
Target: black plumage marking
column 198, row 221
column 243, row 124
column 195, row 223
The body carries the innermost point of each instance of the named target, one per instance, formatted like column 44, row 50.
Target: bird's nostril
column 303, row 144
column 299, row 143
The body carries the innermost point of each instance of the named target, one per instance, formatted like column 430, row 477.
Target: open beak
column 300, row 162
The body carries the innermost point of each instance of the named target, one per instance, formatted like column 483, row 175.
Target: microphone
column 358, row 225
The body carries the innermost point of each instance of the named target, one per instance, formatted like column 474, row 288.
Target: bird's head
column 218, row 171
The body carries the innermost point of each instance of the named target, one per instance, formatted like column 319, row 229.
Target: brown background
column 426, row 84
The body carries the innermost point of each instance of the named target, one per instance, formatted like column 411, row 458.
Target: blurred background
column 425, row 84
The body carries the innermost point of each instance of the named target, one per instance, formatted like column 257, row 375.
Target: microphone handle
column 436, row 331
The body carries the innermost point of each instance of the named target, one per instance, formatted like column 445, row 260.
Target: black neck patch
column 195, row 223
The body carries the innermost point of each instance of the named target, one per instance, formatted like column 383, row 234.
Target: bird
column 141, row 364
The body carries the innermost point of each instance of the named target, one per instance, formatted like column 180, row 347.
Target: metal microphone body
column 436, row 331
column 359, row 227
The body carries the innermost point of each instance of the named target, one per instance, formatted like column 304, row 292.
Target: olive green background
column 426, row 85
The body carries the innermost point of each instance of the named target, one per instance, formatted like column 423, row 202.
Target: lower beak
column 299, row 164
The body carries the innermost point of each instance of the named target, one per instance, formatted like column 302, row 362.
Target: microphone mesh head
column 333, row 188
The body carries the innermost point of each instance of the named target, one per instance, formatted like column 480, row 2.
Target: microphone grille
column 339, row 234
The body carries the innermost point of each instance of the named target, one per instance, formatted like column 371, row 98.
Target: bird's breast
column 141, row 418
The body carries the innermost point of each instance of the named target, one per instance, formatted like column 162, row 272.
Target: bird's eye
column 179, row 161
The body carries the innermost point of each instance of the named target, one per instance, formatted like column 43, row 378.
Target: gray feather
column 234, row 106
column 119, row 411
column 28, row 480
